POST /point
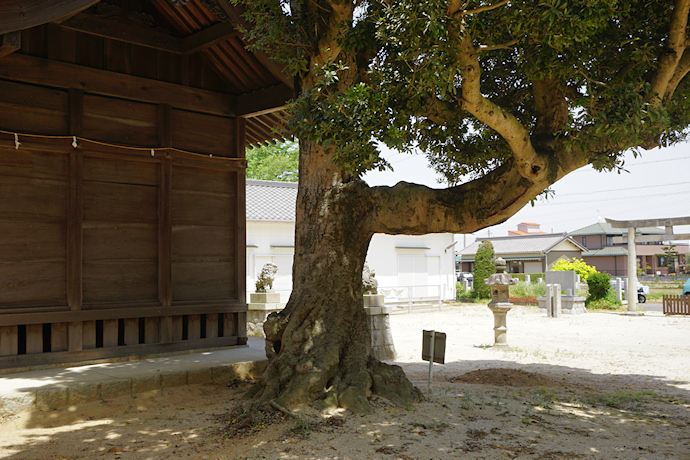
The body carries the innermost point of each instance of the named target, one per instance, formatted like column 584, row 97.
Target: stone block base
column 378, row 322
column 570, row 304
column 257, row 314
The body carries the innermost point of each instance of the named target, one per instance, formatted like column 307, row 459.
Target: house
column 610, row 257
column 526, row 228
column 526, row 253
column 415, row 267
column 122, row 134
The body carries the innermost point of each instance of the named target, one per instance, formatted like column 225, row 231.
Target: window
column 584, row 241
column 609, row 240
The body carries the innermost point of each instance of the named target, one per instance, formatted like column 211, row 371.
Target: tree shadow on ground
column 484, row 409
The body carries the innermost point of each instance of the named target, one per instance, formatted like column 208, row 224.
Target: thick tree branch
column 415, row 209
column 503, row 46
column 527, row 161
column 438, row 111
column 668, row 63
column 680, row 73
column 551, row 110
column 481, row 9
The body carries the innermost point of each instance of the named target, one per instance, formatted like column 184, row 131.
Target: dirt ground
column 595, row 386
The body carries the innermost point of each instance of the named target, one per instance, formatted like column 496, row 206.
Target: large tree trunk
column 319, row 345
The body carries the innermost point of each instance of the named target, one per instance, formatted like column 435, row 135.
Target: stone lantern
column 500, row 304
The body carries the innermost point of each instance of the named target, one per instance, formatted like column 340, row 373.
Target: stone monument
column 570, row 303
column 500, row 304
column 262, row 302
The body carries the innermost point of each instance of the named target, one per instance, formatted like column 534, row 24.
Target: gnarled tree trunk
column 319, row 345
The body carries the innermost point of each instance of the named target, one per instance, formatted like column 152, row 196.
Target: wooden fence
column 677, row 305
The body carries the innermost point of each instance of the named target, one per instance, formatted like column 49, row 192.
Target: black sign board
column 439, row 346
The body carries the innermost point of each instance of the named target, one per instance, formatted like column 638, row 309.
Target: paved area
column 52, row 388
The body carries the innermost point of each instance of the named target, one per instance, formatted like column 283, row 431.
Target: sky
column 657, row 185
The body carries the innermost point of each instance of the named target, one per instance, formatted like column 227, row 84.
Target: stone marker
column 500, row 304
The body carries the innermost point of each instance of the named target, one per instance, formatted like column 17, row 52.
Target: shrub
column 533, row 276
column 523, row 289
column 599, row 285
column 483, row 268
column 610, row 302
column 576, row 265
column 459, row 291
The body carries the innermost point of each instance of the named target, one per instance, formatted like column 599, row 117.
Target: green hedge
column 533, row 276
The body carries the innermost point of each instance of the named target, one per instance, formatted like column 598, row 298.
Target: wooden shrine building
column 123, row 125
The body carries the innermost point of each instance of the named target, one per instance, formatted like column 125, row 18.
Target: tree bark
column 319, row 345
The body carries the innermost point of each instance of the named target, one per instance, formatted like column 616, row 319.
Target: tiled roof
column 604, row 228
column 524, row 244
column 607, row 251
column 270, row 200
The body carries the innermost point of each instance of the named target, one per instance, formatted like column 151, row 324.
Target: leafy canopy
column 577, row 265
column 277, row 162
column 575, row 74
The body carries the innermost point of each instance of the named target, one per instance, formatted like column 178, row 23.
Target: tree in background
column 505, row 98
column 670, row 256
column 577, row 265
column 277, row 161
column 483, row 268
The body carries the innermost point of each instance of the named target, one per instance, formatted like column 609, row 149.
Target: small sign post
column 433, row 350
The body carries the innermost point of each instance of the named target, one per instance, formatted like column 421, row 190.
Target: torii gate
column 632, row 225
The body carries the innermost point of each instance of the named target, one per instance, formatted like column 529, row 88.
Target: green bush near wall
column 533, row 276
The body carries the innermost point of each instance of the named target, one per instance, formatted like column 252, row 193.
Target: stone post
column 632, row 271
column 500, row 304
column 528, row 279
column 378, row 321
column 619, row 289
column 553, row 300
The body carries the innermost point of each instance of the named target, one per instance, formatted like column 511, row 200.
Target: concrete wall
column 424, row 261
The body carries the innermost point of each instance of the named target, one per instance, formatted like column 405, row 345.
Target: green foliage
column 483, row 268
column 576, row 265
column 459, row 291
column 599, row 285
column 533, row 276
column 670, row 257
column 277, row 161
column 523, row 289
column 609, row 302
column 399, row 80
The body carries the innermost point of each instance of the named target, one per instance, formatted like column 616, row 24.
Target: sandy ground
column 599, row 386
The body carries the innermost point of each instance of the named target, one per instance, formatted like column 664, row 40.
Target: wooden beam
column 135, row 35
column 208, row 37
column 234, row 14
column 23, row 14
column 40, row 71
column 127, row 33
column 263, row 101
column 13, row 319
column 9, row 43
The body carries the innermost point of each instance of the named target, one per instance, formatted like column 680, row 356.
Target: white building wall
column 271, row 242
column 424, row 262
column 417, row 266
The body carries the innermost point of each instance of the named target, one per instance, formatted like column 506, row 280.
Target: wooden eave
column 256, row 88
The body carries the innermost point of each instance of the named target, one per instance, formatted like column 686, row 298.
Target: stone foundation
column 261, row 304
column 378, row 314
column 570, row 304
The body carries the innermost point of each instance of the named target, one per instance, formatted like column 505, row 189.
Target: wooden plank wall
column 106, row 251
